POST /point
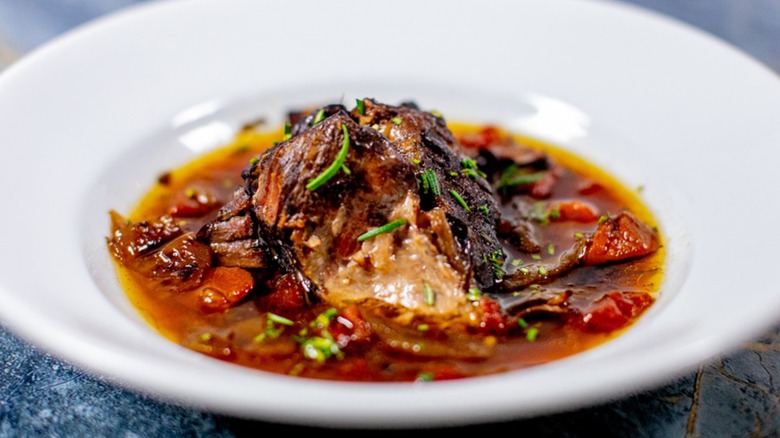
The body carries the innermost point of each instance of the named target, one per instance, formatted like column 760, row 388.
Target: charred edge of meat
column 301, row 121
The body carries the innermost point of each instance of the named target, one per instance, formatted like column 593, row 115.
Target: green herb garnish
column 279, row 319
column 320, row 116
column 334, row 167
column 460, row 200
column 287, row 131
column 425, row 377
column 383, row 229
column 428, row 294
column 361, row 107
column 497, row 261
column 468, row 163
column 320, row 349
column 514, row 176
column 430, row 183
column 397, row 120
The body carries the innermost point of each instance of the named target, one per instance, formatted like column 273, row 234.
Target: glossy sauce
column 238, row 335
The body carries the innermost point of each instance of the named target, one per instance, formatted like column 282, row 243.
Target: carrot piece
column 224, row 287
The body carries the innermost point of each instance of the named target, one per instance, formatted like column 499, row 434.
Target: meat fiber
column 306, row 212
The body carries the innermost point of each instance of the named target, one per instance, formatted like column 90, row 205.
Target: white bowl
column 88, row 121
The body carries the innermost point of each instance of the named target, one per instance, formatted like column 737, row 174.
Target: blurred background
column 753, row 25
column 737, row 395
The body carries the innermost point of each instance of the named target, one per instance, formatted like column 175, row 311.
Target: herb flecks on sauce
column 560, row 276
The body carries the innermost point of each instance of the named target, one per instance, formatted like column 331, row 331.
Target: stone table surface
column 735, row 395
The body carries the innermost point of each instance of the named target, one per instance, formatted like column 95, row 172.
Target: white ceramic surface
column 89, row 120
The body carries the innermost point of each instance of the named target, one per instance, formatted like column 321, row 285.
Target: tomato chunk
column 620, row 238
column 613, row 311
column 573, row 210
column 482, row 139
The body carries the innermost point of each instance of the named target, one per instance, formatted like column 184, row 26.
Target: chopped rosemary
column 484, row 209
column 542, row 270
column 428, row 295
column 497, row 261
column 361, row 107
column 541, row 214
column 555, row 213
column 430, row 183
column 468, row 163
column 320, row 116
column 279, row 319
column 383, row 229
column 425, row 377
column 334, row 168
column 470, row 173
column 460, row 200
column 551, row 249
column 323, row 319
column 513, row 177
column 320, row 348
column 522, row 323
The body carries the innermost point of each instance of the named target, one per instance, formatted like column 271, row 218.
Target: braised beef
column 403, row 164
column 377, row 237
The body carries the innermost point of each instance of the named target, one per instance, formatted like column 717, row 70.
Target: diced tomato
column 589, row 187
column 193, row 204
column 613, row 311
column 573, row 210
column 493, row 319
column 445, row 372
column 620, row 238
column 288, row 293
column 543, row 188
column 482, row 139
column 350, row 326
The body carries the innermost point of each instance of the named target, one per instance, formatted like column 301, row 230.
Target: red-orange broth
column 244, row 334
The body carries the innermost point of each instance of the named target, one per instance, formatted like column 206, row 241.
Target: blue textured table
column 737, row 395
